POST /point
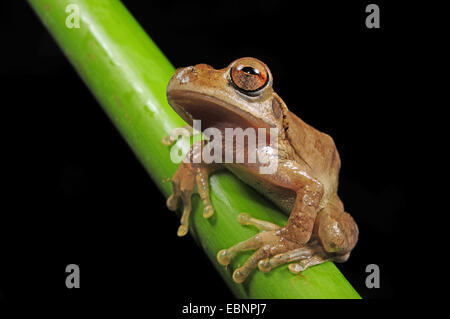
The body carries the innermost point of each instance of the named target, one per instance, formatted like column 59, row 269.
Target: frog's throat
column 212, row 111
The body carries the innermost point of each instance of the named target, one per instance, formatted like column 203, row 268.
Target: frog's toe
column 172, row 202
column 170, row 139
column 224, row 257
column 201, row 179
column 301, row 265
column 184, row 222
column 262, row 225
column 239, row 275
column 264, row 265
column 296, row 268
column 182, row 230
column 242, row 273
column 208, row 210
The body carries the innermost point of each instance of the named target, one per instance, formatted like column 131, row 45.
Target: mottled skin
column 304, row 184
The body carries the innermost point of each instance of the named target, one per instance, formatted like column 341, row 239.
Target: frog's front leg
column 190, row 178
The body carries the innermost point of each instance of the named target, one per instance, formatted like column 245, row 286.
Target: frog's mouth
column 212, row 111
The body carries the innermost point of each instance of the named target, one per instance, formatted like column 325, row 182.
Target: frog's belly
column 281, row 196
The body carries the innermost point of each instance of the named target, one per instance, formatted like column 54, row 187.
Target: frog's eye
column 249, row 75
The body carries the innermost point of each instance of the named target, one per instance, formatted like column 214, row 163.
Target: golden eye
column 249, row 75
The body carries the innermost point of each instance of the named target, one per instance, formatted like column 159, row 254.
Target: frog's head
column 239, row 95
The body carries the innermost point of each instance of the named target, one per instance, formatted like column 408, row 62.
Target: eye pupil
column 250, row 70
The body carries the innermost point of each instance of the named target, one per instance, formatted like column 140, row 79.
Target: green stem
column 128, row 75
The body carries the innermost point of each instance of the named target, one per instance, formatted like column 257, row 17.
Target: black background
column 76, row 193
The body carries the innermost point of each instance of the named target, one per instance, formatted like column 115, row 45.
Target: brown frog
column 304, row 183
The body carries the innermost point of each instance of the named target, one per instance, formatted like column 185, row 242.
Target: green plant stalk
column 128, row 75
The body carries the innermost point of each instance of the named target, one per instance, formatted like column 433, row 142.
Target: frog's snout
column 182, row 76
column 187, row 75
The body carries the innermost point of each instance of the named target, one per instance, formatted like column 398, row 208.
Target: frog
column 304, row 184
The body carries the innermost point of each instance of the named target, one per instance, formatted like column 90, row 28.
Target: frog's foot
column 272, row 250
column 187, row 180
column 185, row 130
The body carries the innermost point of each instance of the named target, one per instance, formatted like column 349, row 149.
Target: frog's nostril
column 177, row 72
